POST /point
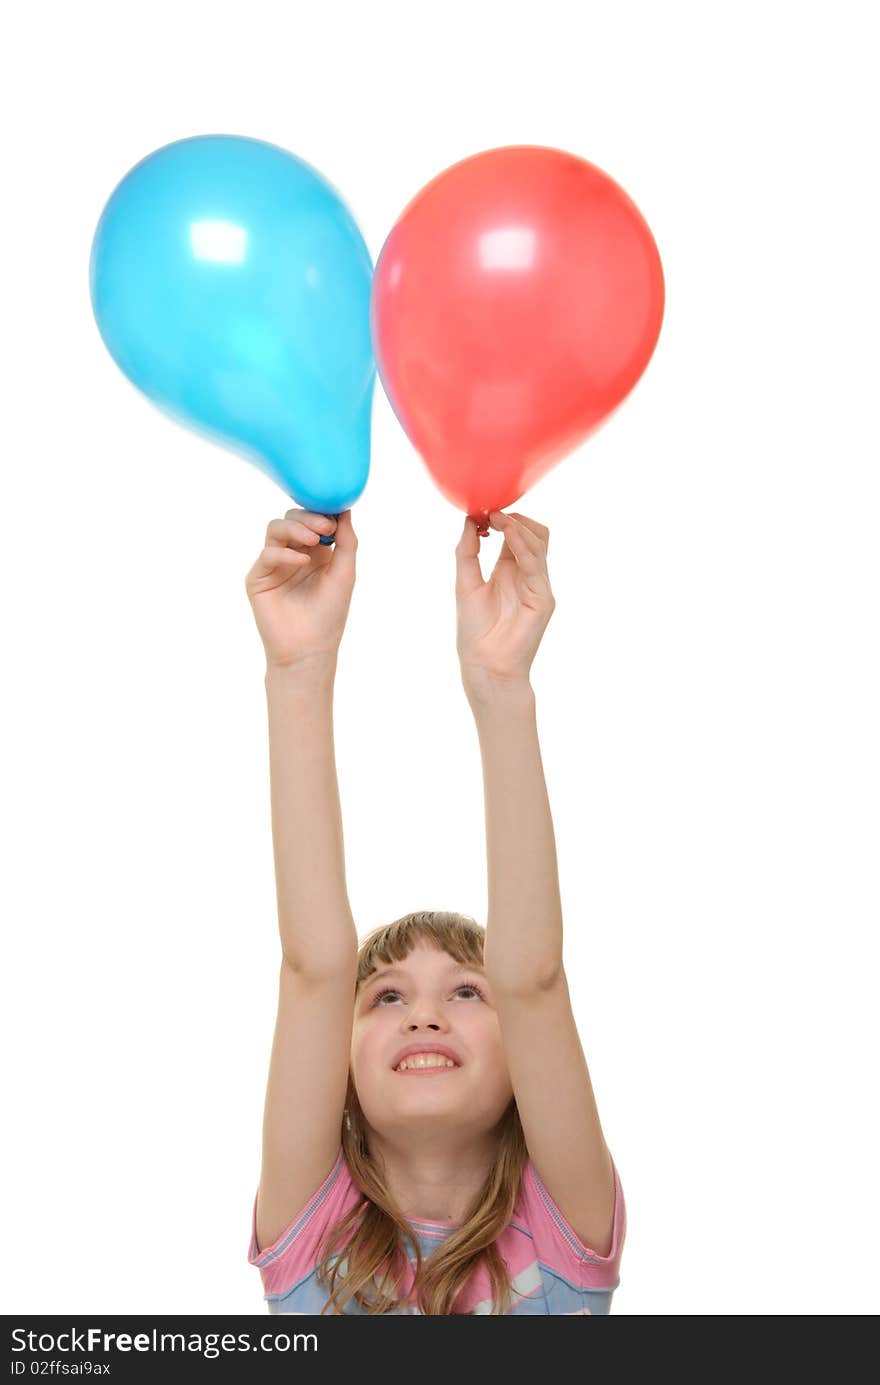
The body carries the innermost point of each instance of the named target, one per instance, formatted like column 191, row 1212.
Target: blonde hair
column 376, row 1254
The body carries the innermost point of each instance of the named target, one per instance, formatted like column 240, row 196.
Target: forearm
column 314, row 916
column 524, row 924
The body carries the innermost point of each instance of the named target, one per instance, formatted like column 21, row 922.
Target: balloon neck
column 481, row 520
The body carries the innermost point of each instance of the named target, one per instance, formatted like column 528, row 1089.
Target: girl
column 430, row 1138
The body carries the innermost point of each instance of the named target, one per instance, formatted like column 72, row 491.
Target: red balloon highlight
column 515, row 304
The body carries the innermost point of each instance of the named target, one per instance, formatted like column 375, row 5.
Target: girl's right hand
column 300, row 589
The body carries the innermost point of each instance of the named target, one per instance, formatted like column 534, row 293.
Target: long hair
column 373, row 1267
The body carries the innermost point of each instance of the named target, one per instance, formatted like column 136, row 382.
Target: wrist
column 312, row 670
column 487, row 692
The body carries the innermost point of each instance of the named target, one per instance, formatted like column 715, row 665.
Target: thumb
column 468, row 575
column 345, row 541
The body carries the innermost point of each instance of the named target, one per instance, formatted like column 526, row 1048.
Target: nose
column 425, row 1014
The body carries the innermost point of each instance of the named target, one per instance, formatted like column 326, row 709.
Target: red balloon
column 514, row 306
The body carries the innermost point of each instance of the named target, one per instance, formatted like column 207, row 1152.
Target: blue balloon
column 231, row 284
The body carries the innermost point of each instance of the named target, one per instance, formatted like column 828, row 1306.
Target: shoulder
column 556, row 1244
column 300, row 1245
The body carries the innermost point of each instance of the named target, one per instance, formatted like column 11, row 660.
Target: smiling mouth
column 425, row 1072
column 438, row 1063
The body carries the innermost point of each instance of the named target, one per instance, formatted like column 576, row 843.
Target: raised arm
column 300, row 592
column 500, row 625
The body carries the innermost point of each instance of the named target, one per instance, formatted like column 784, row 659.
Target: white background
column 707, row 689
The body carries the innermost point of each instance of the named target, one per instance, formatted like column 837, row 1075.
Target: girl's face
column 428, row 1000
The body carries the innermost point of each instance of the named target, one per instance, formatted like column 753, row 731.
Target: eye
column 381, row 994
column 465, row 986
column 471, row 986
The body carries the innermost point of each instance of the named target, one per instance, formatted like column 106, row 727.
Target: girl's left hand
column 501, row 621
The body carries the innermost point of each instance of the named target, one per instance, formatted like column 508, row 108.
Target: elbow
column 330, row 967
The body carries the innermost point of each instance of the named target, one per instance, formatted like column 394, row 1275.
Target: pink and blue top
column 550, row 1268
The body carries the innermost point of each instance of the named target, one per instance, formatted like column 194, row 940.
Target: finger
column 468, row 577
column 345, row 542
column 314, row 519
column 275, row 559
column 498, row 520
column 284, row 532
column 541, row 530
column 514, row 523
column 525, row 546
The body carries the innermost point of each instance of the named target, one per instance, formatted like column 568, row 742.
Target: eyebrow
column 399, row 971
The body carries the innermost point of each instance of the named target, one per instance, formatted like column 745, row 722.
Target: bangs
column 456, row 934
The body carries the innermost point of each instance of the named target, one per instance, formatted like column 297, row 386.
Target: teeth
column 425, row 1060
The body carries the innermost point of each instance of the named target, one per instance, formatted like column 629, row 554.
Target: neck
column 433, row 1181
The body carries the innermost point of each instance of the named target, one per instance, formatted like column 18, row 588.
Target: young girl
column 430, row 1138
